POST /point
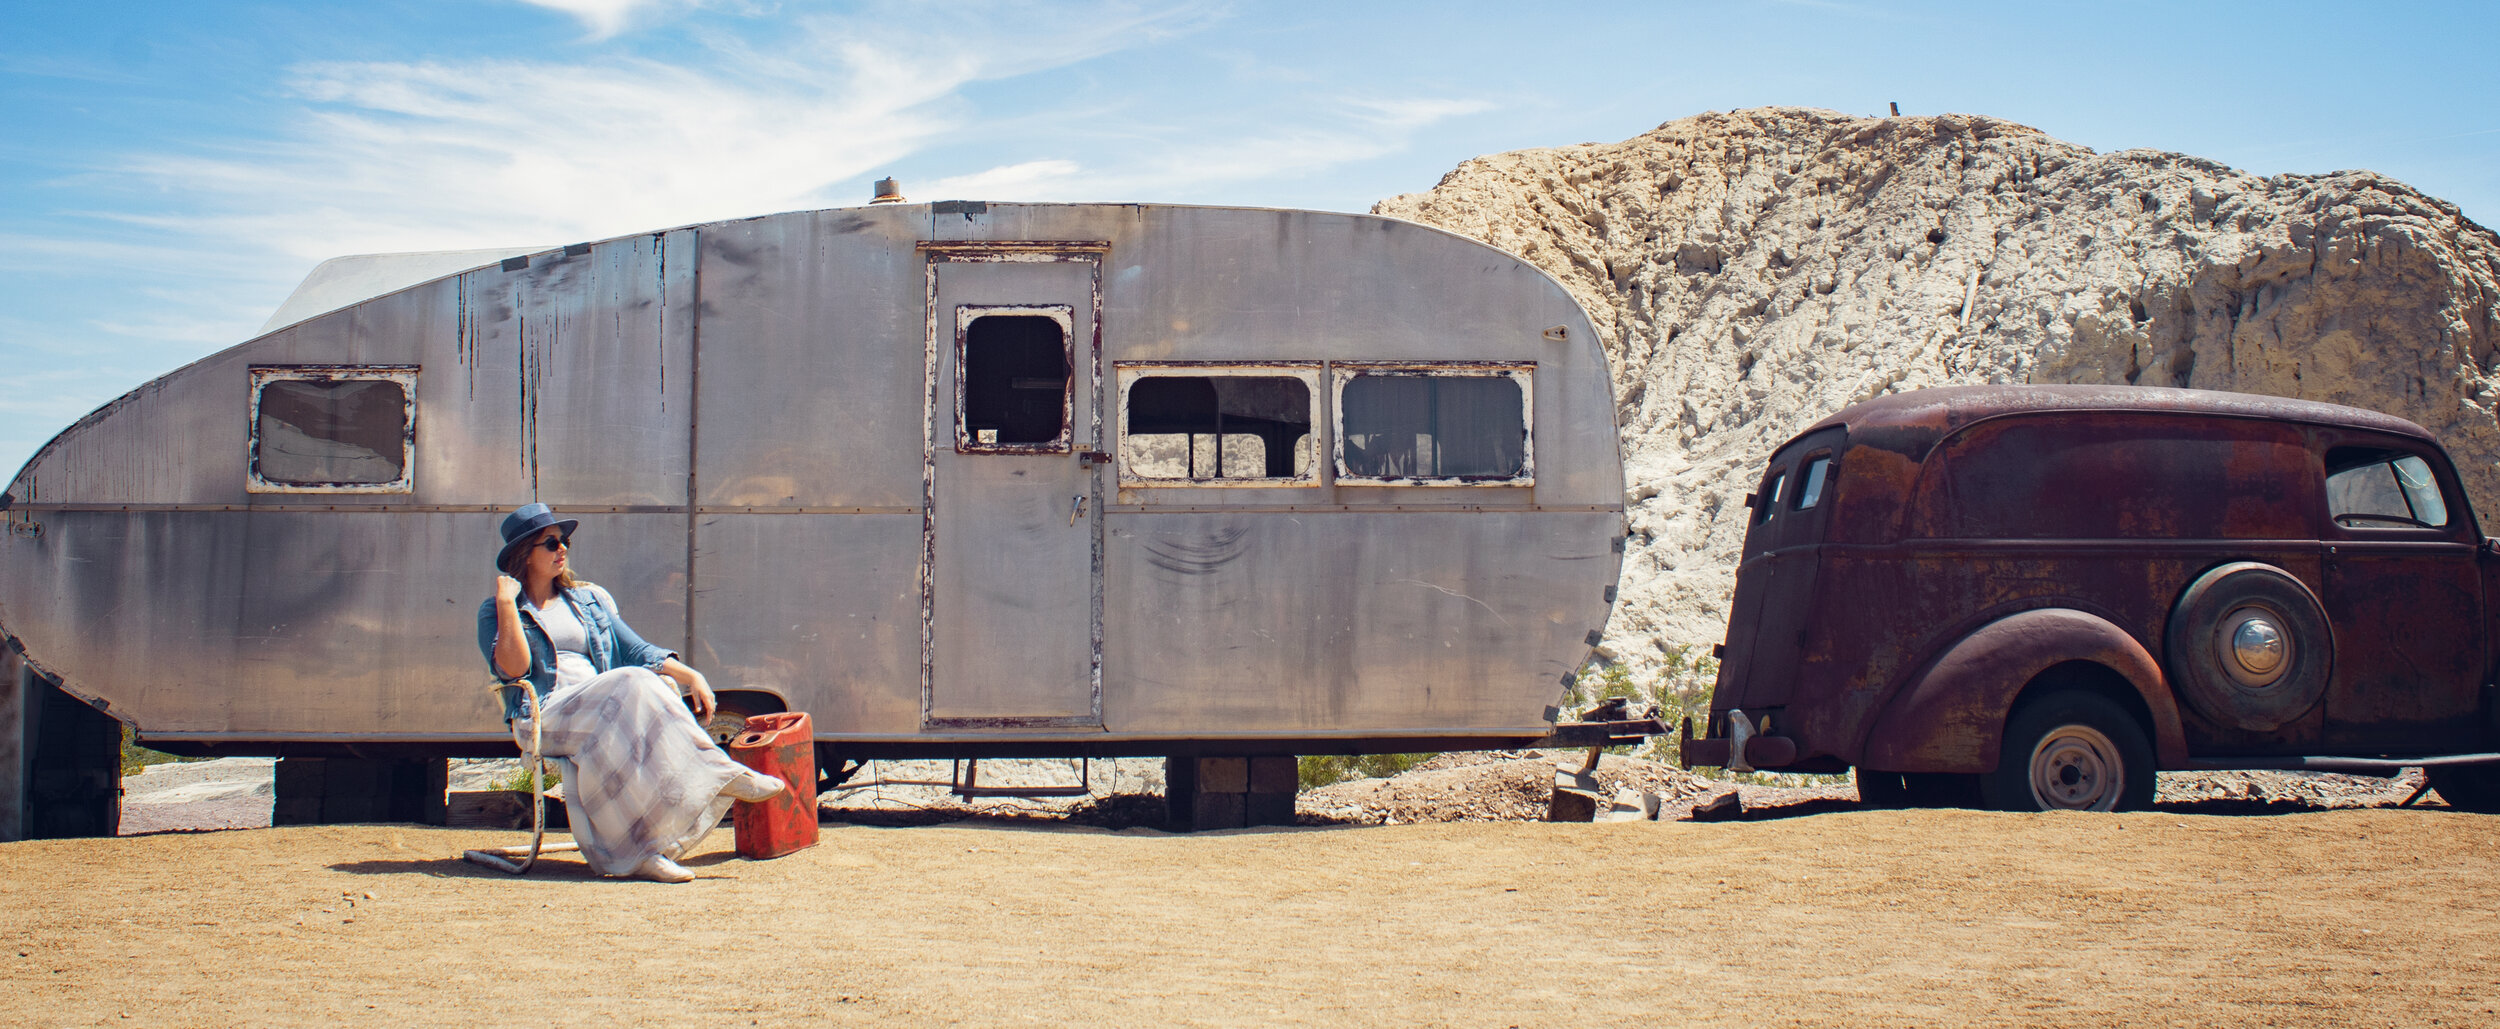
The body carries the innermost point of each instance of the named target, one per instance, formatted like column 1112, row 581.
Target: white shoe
column 662, row 870
column 751, row 786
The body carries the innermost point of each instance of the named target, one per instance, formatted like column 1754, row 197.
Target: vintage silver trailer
column 958, row 479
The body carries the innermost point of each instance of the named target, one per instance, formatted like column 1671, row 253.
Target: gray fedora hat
column 523, row 524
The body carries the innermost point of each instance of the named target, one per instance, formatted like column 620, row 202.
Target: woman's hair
column 520, row 562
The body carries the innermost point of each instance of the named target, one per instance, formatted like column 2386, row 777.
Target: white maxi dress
column 640, row 777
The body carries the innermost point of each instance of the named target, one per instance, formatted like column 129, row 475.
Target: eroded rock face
column 1756, row 270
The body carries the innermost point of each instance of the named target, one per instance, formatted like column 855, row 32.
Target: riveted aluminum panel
column 357, row 623
column 812, row 334
column 1300, row 622
column 821, row 610
column 574, row 379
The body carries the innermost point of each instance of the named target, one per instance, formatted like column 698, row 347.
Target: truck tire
column 2473, row 788
column 2072, row 750
column 2249, row 646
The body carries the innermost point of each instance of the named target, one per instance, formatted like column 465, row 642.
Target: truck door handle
column 1076, row 509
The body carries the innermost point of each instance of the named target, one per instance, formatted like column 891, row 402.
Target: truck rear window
column 2382, row 489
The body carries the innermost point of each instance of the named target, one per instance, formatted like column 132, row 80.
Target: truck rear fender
column 1951, row 718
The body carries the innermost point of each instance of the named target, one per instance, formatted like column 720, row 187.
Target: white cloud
column 443, row 155
column 1414, row 112
column 604, row 18
column 1030, row 180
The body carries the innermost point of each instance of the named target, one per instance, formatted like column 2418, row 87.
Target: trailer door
column 1012, row 602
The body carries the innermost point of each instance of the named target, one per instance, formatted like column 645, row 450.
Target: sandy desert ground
column 1861, row 918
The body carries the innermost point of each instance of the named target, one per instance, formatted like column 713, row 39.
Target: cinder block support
column 1274, row 780
column 336, row 790
column 1228, row 792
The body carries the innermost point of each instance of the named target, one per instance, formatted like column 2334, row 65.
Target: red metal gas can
column 784, row 746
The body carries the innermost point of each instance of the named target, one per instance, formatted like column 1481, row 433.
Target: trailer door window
column 1012, row 379
column 1434, row 424
column 1217, row 425
column 332, row 429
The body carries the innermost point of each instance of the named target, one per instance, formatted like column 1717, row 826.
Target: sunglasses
column 554, row 543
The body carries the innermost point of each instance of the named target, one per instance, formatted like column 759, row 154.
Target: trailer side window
column 1013, row 379
column 1434, row 424
column 332, row 429
column 1217, row 425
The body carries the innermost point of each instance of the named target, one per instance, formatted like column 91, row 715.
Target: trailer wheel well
column 729, row 718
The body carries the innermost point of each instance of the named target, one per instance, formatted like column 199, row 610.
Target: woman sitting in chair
column 643, row 781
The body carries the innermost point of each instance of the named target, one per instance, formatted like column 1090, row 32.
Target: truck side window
column 1015, row 381
column 2383, row 489
column 1768, row 500
column 1810, row 492
column 332, row 429
column 1247, row 426
column 1434, row 425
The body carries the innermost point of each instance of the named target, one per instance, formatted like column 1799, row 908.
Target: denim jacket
column 613, row 644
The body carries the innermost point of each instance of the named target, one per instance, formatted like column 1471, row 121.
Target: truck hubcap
column 2255, row 652
column 2076, row 768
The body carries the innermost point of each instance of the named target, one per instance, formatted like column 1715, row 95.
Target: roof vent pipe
column 888, row 192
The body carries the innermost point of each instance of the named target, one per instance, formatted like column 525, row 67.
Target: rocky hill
column 1755, row 270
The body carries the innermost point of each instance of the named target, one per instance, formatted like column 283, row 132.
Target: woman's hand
column 697, row 688
column 512, row 652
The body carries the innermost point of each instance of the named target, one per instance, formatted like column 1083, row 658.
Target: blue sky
column 169, row 171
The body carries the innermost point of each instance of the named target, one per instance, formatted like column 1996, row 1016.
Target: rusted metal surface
column 1611, row 733
column 1952, row 718
column 752, row 418
column 1980, row 541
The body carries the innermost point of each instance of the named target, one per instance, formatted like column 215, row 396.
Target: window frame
column 1125, row 374
column 1065, row 315
column 1820, row 461
column 2387, row 455
column 1520, row 373
column 262, row 375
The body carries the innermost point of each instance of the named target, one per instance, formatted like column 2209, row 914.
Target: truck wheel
column 2249, row 646
column 2071, row 751
column 2473, row 788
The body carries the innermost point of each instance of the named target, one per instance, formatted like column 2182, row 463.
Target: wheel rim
column 2253, row 647
column 725, row 726
column 2076, row 768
